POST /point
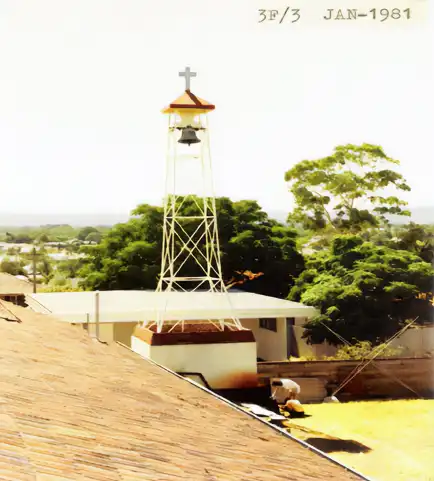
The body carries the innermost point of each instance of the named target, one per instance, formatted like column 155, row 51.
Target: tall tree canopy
column 363, row 291
column 412, row 237
column 342, row 189
column 129, row 255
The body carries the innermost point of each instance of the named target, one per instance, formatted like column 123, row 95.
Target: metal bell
column 188, row 136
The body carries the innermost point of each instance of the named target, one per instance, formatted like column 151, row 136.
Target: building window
column 270, row 324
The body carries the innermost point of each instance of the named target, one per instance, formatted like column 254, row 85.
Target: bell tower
column 190, row 258
column 193, row 327
column 191, row 251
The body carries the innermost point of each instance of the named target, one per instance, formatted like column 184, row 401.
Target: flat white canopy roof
column 134, row 306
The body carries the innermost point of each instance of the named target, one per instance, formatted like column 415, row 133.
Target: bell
column 188, row 136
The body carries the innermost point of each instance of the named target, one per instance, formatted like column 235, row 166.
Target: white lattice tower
column 191, row 251
column 189, row 237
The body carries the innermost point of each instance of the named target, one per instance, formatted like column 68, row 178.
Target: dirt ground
column 387, row 440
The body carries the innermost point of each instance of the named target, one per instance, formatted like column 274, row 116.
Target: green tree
column 13, row 251
column 12, row 267
column 362, row 291
column 22, row 238
column 72, row 248
column 9, row 237
column 129, row 256
column 59, row 286
column 70, row 268
column 341, row 190
column 415, row 238
column 45, row 268
column 43, row 238
column 258, row 244
column 411, row 237
column 83, row 233
column 94, row 237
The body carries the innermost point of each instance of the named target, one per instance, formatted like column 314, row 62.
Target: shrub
column 363, row 350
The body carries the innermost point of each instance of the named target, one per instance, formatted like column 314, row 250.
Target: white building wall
column 271, row 346
column 224, row 366
column 274, row 346
column 316, row 351
column 415, row 342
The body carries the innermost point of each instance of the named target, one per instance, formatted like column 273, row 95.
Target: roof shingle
column 9, row 284
column 72, row 408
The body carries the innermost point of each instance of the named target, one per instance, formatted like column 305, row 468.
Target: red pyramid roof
column 188, row 101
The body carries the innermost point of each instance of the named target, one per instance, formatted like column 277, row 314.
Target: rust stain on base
column 237, row 380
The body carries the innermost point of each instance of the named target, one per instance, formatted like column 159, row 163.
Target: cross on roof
column 187, row 74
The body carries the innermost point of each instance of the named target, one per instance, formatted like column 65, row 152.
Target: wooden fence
column 383, row 378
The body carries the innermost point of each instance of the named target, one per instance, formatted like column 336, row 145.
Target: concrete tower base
column 225, row 359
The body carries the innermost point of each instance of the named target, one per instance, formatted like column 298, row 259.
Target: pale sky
column 83, row 83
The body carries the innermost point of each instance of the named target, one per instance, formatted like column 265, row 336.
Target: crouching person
column 284, row 392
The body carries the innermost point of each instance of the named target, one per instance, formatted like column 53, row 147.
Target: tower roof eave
column 189, row 101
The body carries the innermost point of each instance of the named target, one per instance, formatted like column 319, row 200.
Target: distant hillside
column 420, row 215
column 74, row 220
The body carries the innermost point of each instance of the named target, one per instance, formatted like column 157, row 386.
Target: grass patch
column 387, row 440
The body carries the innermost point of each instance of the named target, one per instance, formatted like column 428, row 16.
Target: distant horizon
column 421, row 214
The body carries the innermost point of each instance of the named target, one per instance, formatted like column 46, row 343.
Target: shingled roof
column 9, row 284
column 72, row 408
